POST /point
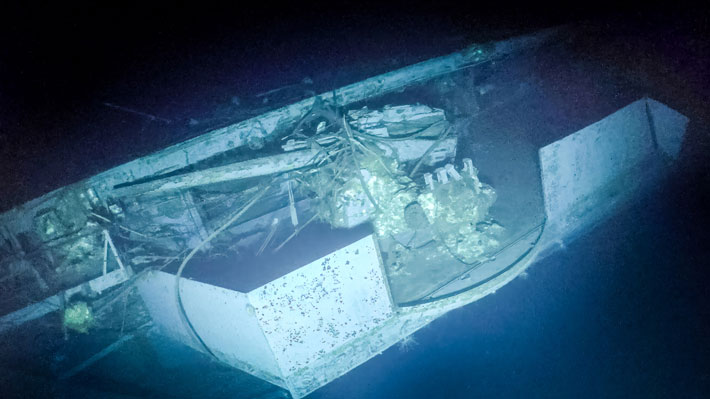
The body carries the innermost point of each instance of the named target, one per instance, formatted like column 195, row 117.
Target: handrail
column 428, row 298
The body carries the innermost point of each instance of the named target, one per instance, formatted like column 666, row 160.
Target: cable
column 178, row 298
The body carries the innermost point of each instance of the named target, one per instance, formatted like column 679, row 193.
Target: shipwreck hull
column 266, row 293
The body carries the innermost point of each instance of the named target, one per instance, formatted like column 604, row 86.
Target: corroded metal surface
column 311, row 311
column 590, row 168
column 223, row 318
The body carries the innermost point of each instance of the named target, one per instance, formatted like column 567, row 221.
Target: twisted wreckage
column 298, row 244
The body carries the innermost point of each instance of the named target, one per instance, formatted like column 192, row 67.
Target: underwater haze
column 620, row 311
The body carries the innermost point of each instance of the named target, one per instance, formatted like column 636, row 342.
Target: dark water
column 623, row 311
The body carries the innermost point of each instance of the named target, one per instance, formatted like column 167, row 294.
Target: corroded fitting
column 441, row 176
column 429, row 180
column 468, row 166
column 452, row 172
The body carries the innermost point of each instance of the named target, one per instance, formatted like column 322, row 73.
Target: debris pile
column 357, row 181
column 79, row 317
column 457, row 210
